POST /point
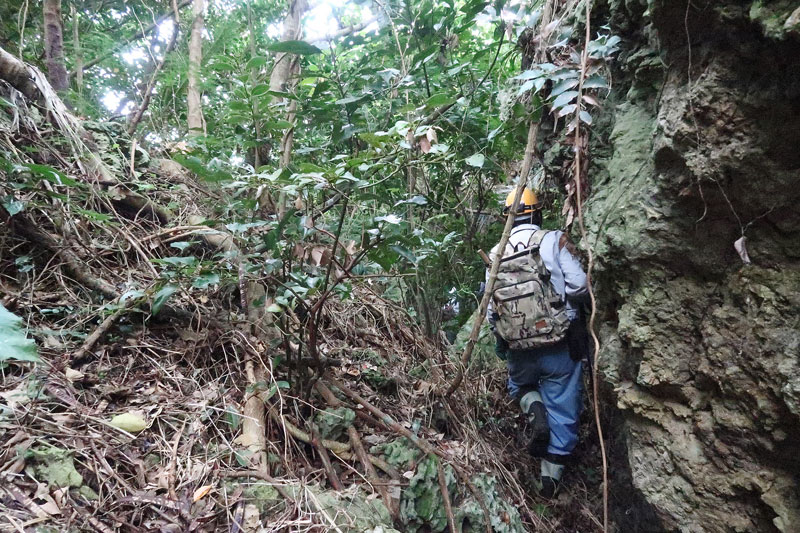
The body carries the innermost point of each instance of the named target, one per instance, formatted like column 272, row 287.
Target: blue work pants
column 557, row 377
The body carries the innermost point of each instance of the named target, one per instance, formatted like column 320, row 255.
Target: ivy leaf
column 205, row 279
column 475, row 160
column 161, row 297
column 300, row 48
column 12, row 205
column 14, row 345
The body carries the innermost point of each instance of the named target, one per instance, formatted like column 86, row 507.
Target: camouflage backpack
column 530, row 312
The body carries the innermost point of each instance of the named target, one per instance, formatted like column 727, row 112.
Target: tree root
column 24, row 228
column 448, row 507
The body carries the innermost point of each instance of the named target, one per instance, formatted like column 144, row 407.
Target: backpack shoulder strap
column 537, row 237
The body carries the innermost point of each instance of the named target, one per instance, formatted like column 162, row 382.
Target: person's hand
column 500, row 347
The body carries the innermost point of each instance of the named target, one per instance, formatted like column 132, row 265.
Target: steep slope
column 700, row 348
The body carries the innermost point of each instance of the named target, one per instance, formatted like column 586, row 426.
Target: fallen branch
column 101, row 330
column 336, row 447
column 316, row 442
column 23, row 227
column 358, row 447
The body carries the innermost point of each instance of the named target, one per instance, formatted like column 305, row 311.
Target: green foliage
column 14, row 344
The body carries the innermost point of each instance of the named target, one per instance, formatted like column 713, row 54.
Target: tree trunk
column 287, row 67
column 292, row 31
column 194, row 115
column 54, row 45
column 76, row 45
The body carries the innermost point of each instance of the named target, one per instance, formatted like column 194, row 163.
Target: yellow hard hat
column 528, row 203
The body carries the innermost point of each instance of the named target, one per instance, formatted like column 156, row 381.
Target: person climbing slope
column 534, row 305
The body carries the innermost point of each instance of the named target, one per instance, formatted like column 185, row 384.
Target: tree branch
column 138, row 35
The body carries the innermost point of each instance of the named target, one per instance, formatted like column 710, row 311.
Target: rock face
column 701, row 350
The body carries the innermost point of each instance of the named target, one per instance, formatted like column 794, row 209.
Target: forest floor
column 140, row 415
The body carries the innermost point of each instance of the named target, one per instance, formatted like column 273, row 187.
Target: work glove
column 578, row 340
column 500, row 347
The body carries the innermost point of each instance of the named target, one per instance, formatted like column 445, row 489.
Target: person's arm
column 574, row 276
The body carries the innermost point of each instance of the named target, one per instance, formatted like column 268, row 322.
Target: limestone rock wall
column 702, row 351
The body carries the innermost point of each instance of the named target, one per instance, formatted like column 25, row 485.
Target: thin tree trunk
column 253, row 78
column 194, row 115
column 76, row 45
column 54, row 45
column 287, row 67
column 292, row 31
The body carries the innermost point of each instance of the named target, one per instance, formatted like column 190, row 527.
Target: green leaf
column 188, row 261
column 180, row 245
column 300, row 48
column 14, row 345
column 586, row 117
column 564, row 99
column 161, row 297
column 260, row 90
column 595, row 82
column 476, row 160
column 12, row 205
column 256, row 62
column 562, row 86
column 94, row 215
column 350, row 99
column 194, row 164
column 405, row 252
column 50, row 174
column 205, row 279
column 438, row 100
column 567, row 110
column 130, row 422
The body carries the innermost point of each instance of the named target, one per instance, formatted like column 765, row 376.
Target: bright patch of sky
column 319, row 22
column 113, row 99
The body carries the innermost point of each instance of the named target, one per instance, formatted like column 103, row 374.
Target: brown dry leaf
column 431, row 135
column 201, row 493
column 74, row 375
column 589, row 99
column 298, row 203
column 251, row 520
column 424, row 145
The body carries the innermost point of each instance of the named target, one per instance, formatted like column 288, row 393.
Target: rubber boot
column 551, row 478
column 536, row 414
